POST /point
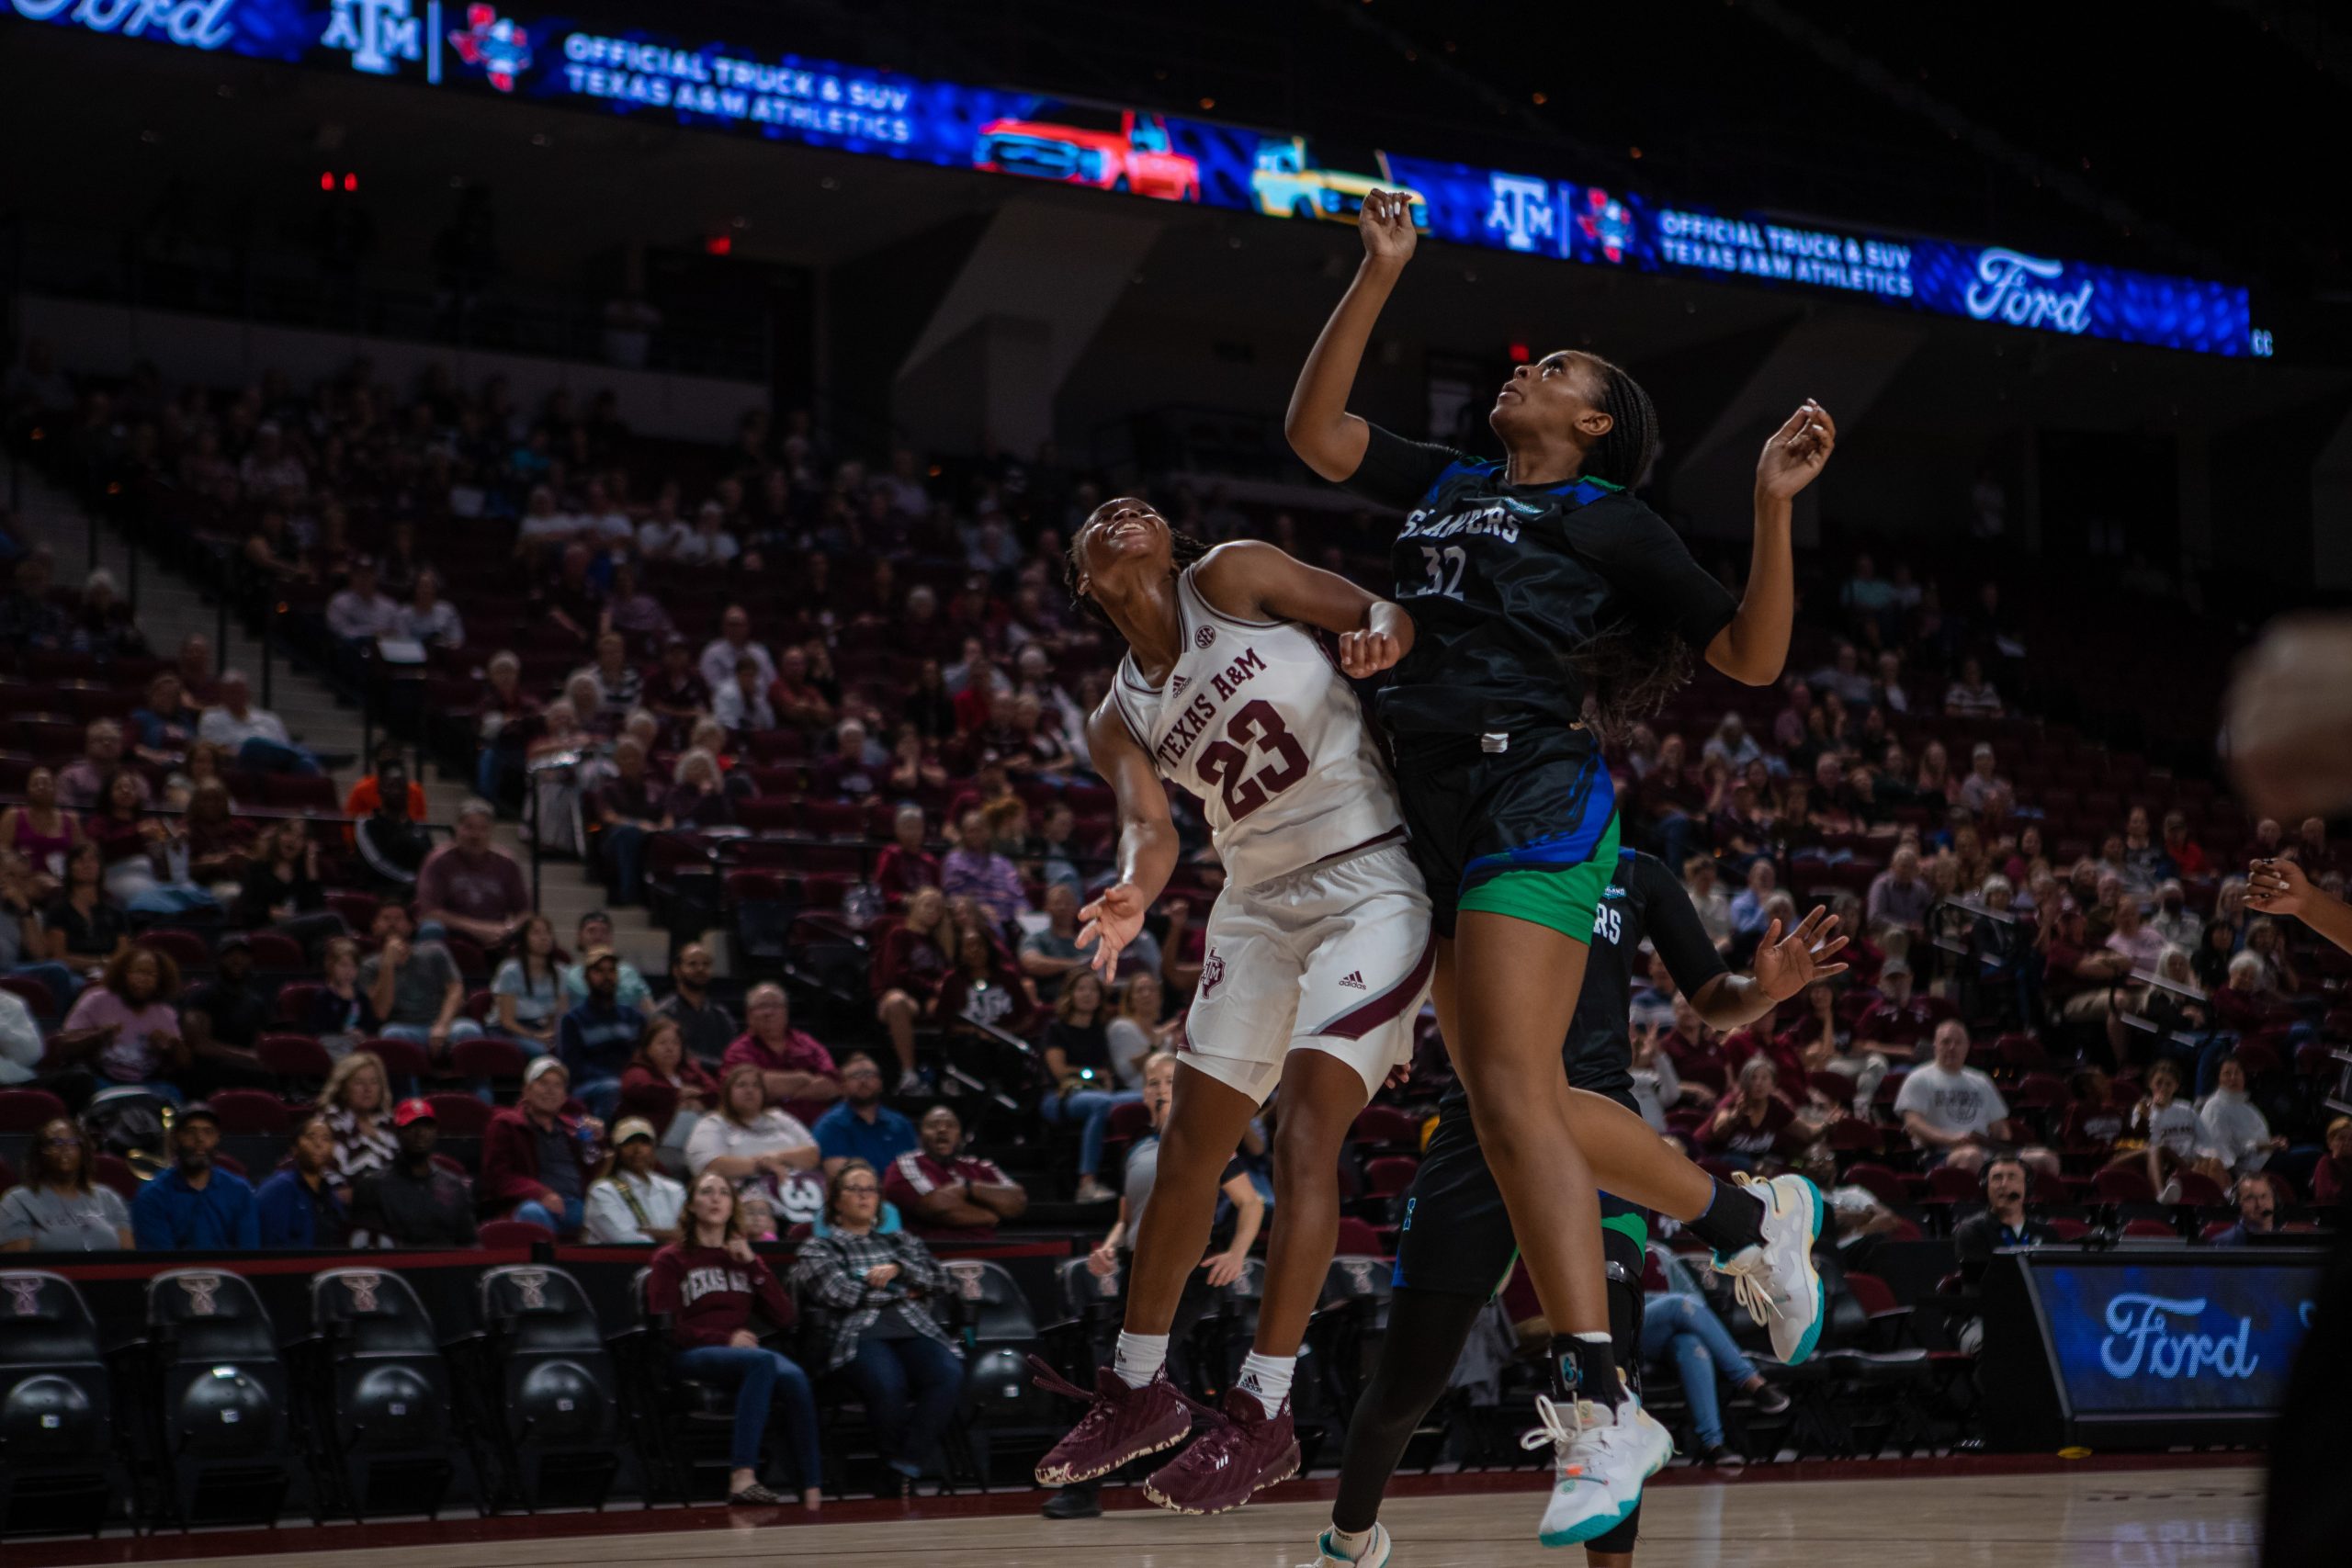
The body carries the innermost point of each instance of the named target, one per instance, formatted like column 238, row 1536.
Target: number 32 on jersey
column 1444, row 563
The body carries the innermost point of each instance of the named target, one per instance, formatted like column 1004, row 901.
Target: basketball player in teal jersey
column 1535, row 583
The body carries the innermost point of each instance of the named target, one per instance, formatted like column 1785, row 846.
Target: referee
column 1455, row 1249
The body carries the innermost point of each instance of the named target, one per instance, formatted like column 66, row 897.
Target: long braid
column 1630, row 668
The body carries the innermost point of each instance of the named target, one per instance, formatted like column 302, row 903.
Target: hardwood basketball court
column 2185, row 1514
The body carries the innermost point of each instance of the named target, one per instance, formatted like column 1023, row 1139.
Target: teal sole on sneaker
column 1812, row 1340
column 1599, row 1524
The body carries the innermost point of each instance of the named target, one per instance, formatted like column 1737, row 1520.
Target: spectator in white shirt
column 543, row 527
column 2133, row 937
column 254, row 735
column 2240, row 1131
column 635, row 1205
column 741, row 705
column 361, row 612
column 600, row 521
column 1971, row 696
column 1890, row 693
column 709, row 543
column 1707, row 897
column 427, row 618
column 734, row 642
column 1732, row 744
column 661, row 533
column 1955, row 1114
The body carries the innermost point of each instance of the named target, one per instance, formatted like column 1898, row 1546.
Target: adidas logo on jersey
column 1353, row 980
column 1177, row 684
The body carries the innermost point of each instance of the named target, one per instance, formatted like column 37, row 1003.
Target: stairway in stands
column 170, row 608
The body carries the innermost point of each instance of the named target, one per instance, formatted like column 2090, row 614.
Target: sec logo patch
column 1205, row 637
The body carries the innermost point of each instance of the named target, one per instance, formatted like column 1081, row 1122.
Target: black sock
column 1733, row 1220
column 1586, row 1369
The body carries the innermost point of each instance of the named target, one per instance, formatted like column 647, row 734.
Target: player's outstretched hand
column 1109, row 923
column 2277, row 887
column 1365, row 652
column 1797, row 452
column 1785, row 966
column 1387, row 225
column 1222, row 1268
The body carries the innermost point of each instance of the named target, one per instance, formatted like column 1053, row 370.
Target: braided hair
column 1183, row 550
column 1629, row 668
column 1622, row 457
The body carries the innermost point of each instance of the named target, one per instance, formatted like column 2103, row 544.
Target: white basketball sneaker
column 1603, row 1456
column 1776, row 1280
column 1374, row 1554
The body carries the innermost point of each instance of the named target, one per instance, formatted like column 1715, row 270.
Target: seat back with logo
column 56, row 1409
column 556, row 1377
column 391, row 1385
column 56, row 1400
column 992, row 1305
column 224, row 1386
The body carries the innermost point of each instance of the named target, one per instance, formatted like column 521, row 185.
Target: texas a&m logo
column 1211, row 972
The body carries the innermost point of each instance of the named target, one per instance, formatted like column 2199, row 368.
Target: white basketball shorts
column 1335, row 957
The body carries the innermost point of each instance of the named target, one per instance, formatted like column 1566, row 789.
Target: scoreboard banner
column 552, row 58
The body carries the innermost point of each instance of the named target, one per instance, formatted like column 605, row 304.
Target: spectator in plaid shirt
column 878, row 1287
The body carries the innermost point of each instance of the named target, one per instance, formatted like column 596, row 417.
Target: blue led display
column 550, row 59
column 2177, row 1335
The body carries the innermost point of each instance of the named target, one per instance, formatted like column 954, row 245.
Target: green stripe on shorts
column 1632, row 1226
column 1562, row 899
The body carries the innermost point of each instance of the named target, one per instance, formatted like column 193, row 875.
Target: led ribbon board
column 551, row 59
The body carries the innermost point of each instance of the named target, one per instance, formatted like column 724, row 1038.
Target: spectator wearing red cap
column 413, row 1201
column 793, row 1065
column 537, row 1161
column 939, row 1186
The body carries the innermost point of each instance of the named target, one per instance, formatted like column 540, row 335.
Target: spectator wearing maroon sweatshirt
column 537, row 1162
column 707, row 1283
column 906, row 867
column 793, row 1065
column 909, row 967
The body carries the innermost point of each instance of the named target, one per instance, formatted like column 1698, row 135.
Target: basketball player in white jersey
column 1319, row 951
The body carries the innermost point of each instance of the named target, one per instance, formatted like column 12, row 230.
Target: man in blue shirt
column 860, row 1126
column 193, row 1207
column 596, row 1038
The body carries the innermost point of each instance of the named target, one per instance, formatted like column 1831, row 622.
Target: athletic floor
column 2192, row 1512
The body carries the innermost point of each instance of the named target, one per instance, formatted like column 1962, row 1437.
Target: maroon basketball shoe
column 1121, row 1425
column 1241, row 1451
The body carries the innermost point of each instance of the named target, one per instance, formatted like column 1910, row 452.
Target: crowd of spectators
column 865, row 683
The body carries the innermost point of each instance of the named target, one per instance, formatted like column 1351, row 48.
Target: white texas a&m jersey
column 1258, row 722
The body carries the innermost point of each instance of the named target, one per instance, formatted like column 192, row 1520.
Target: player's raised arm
column 1327, row 437
column 1257, row 581
column 1755, row 646
column 1147, row 845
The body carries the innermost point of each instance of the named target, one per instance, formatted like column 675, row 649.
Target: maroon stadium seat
column 460, row 1115
column 502, row 1233
column 251, row 1113
column 28, row 1109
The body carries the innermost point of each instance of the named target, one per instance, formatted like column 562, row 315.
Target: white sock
column 1266, row 1379
column 1140, row 1356
column 1349, row 1545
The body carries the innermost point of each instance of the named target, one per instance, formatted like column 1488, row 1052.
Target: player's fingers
column 1771, row 934
column 1828, row 948
column 1833, row 969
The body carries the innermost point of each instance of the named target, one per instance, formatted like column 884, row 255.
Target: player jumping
column 1534, row 582
column 1455, row 1249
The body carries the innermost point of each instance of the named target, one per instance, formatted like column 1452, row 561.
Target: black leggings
column 1426, row 1332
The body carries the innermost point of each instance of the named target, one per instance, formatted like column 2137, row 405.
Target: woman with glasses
column 61, row 1208
column 879, row 1288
